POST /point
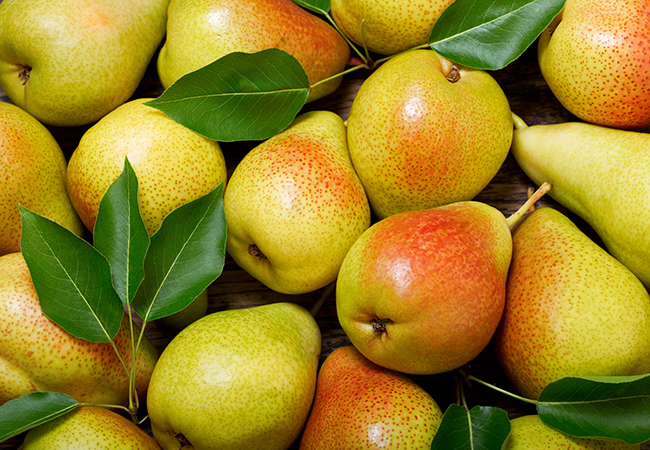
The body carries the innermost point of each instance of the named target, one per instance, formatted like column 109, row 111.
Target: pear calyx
column 454, row 74
column 379, row 325
column 182, row 441
column 24, row 74
column 255, row 251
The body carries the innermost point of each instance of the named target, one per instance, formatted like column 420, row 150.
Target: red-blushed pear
column 360, row 405
column 89, row 427
column 38, row 355
column 422, row 292
column 571, row 308
column 595, row 57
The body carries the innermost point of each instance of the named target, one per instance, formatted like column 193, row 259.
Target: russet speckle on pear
column 38, row 355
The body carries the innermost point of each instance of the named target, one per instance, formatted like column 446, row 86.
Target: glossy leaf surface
column 481, row 428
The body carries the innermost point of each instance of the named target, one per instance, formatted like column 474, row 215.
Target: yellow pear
column 33, row 168
column 173, row 164
column 294, row 206
column 202, row 31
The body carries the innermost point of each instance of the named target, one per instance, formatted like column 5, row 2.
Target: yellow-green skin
column 571, row 308
column 297, row 198
column 595, row 57
column 33, row 168
column 83, row 58
column 599, row 173
column 388, row 27
column 89, row 427
column 173, row 164
column 530, row 433
column 419, row 141
column 237, row 379
column 202, row 31
column 38, row 355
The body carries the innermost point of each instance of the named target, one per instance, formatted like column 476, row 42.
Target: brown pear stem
column 543, row 189
column 518, row 122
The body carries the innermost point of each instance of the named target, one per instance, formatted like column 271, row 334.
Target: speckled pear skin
column 82, row 58
column 173, row 164
column 298, row 199
column 595, row 57
column 571, row 308
column 389, row 27
column 436, row 279
column 362, row 406
column 89, row 427
column 530, row 433
column 38, row 355
column 237, row 379
column 33, row 168
column 599, row 173
column 202, row 31
column 418, row 141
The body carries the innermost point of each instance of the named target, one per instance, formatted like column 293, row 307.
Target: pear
column 599, row 173
column 571, row 308
column 422, row 292
column 38, row 355
column 89, row 427
column 237, row 379
column 173, row 164
column 202, row 31
column 424, row 132
column 70, row 62
column 530, row 433
column 595, row 56
column 294, row 206
column 361, row 405
column 388, row 27
column 33, row 167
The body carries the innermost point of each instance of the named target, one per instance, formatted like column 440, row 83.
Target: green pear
column 33, row 167
column 70, row 62
column 237, row 379
column 423, row 132
column 173, row 164
column 571, row 308
column 294, row 206
column 388, row 27
column 361, row 405
column 599, row 173
column 595, row 57
column 202, row 31
column 38, row 355
column 193, row 312
column 89, row 427
column 530, row 433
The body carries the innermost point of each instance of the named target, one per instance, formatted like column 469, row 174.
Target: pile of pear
column 379, row 207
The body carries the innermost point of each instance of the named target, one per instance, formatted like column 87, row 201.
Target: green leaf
column 31, row 410
column 482, row 427
column 186, row 255
column 120, row 234
column 599, row 407
column 71, row 278
column 490, row 34
column 241, row 96
column 317, row 6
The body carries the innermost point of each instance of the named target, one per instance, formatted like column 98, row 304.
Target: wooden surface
column 529, row 97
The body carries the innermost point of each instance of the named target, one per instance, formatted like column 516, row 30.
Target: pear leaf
column 490, row 34
column 31, row 410
column 481, row 428
column 72, row 279
column 599, row 407
column 186, row 255
column 240, row 96
column 120, row 234
column 317, row 6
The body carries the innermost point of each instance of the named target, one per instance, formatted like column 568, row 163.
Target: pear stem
column 326, row 293
column 543, row 189
column 518, row 122
column 365, row 58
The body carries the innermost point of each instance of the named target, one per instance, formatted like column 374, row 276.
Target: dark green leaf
column 490, row 34
column 241, row 96
column 31, row 410
column 317, row 6
column 482, row 427
column 120, row 234
column 186, row 254
column 599, row 407
column 71, row 278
